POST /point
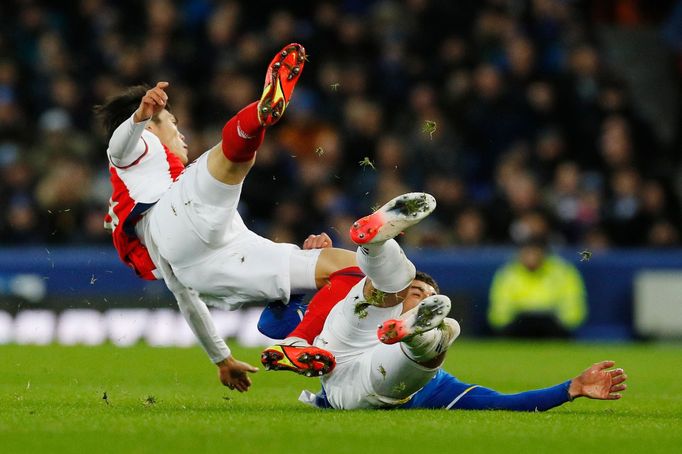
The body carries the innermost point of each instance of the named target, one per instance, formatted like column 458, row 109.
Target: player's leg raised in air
column 415, row 342
column 196, row 226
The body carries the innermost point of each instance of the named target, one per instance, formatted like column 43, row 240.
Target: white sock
column 373, row 249
column 430, row 344
column 386, row 265
column 422, row 347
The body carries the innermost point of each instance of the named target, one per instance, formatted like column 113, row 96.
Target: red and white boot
column 426, row 316
column 392, row 218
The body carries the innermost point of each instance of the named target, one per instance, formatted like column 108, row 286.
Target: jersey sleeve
column 446, row 391
column 126, row 146
column 196, row 314
column 199, row 319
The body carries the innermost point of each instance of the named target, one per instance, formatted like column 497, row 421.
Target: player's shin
column 243, row 134
column 386, row 265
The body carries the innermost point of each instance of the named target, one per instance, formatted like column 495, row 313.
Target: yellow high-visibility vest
column 556, row 286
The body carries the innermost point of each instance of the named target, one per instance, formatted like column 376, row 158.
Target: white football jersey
column 142, row 169
column 350, row 328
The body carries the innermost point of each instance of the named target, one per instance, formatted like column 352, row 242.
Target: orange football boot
column 280, row 80
column 305, row 360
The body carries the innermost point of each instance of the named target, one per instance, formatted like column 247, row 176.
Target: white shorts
column 368, row 374
column 196, row 228
column 382, row 377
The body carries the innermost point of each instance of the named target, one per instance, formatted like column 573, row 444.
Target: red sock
column 243, row 134
column 324, row 300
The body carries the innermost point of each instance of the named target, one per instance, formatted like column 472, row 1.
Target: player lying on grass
column 181, row 224
column 406, row 374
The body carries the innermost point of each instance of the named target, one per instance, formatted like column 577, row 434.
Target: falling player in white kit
column 369, row 373
column 181, row 224
column 341, row 317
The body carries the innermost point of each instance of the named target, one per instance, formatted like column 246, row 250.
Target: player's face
column 166, row 129
column 416, row 292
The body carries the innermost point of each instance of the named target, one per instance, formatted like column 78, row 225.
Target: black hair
column 422, row 276
column 120, row 107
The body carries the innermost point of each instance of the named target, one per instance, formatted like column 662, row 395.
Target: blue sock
column 279, row 319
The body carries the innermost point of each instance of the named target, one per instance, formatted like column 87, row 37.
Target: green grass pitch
column 169, row 400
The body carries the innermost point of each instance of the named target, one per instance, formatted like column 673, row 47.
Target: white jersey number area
column 111, row 225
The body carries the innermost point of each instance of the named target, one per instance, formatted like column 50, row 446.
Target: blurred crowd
column 505, row 110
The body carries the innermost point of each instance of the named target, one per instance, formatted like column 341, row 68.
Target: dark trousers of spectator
column 536, row 326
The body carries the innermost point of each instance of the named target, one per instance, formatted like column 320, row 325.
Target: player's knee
column 330, row 261
column 334, row 259
column 278, row 319
column 270, row 321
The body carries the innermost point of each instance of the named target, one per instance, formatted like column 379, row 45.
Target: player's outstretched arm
column 596, row 382
column 234, row 373
column 446, row 391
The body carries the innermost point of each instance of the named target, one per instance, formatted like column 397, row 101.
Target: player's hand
column 153, row 102
column 234, row 374
column 320, row 241
column 597, row 382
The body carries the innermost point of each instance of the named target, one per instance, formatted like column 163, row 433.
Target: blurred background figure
column 537, row 295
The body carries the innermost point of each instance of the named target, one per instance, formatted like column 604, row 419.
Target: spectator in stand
column 537, row 295
column 563, row 198
column 624, row 220
column 470, row 228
